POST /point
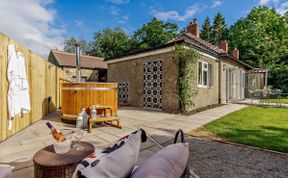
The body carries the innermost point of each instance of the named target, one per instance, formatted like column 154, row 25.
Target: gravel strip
column 214, row 159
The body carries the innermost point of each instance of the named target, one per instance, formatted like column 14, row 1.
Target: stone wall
column 89, row 75
column 131, row 71
column 205, row 96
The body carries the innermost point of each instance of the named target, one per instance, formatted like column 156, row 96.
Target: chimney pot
column 223, row 45
column 193, row 28
column 235, row 53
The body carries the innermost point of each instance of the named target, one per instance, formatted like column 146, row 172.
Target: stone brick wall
column 131, row 71
column 90, row 75
column 205, row 95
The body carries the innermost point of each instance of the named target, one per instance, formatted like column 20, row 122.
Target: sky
column 42, row 25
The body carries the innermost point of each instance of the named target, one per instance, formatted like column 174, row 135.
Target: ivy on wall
column 187, row 58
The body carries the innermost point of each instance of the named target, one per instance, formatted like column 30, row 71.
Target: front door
column 152, row 90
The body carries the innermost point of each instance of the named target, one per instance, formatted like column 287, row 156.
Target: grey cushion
column 5, row 172
column 169, row 162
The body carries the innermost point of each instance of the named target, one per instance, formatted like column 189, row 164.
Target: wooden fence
column 43, row 78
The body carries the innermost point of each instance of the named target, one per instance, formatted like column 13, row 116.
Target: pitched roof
column 66, row 59
column 191, row 39
column 184, row 37
column 236, row 60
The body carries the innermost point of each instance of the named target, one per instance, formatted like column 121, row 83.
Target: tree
column 155, row 33
column 206, row 30
column 262, row 39
column 219, row 29
column 69, row 45
column 110, row 43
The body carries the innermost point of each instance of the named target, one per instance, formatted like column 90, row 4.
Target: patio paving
column 257, row 102
column 19, row 149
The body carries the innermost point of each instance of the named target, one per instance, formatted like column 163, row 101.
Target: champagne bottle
column 58, row 136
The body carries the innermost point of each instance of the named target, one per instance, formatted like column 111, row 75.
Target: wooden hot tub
column 75, row 96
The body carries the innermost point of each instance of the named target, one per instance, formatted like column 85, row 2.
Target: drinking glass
column 78, row 135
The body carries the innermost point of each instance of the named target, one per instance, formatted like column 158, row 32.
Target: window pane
column 200, row 73
column 205, row 78
column 211, row 74
column 205, row 66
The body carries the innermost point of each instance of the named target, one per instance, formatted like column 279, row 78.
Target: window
column 123, row 93
column 205, row 74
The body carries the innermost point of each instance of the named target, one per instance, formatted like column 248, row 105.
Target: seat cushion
column 169, row 162
column 114, row 161
column 5, row 172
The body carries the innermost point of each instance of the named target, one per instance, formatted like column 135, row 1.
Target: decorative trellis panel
column 153, row 84
column 123, row 93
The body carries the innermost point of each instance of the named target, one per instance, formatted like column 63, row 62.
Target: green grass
column 257, row 126
column 284, row 101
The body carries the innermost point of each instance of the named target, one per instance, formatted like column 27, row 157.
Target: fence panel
column 43, row 79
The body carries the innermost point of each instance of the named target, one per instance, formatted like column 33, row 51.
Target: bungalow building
column 93, row 69
column 148, row 78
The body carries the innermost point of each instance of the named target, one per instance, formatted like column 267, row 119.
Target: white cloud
column 118, row 1
column 31, row 23
column 174, row 15
column 79, row 23
column 126, row 17
column 123, row 20
column 216, row 3
column 282, row 8
column 265, row 2
column 114, row 10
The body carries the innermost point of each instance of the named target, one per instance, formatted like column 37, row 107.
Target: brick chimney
column 223, row 45
column 193, row 28
column 235, row 53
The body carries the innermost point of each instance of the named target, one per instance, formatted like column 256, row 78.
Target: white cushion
column 5, row 171
column 115, row 161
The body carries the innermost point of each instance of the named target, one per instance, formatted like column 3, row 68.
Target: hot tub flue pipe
column 78, row 67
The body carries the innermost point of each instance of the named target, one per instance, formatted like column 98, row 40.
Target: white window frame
column 203, row 69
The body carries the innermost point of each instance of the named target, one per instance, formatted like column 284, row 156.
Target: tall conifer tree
column 206, row 30
column 219, row 29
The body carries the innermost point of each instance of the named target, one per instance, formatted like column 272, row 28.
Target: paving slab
column 161, row 126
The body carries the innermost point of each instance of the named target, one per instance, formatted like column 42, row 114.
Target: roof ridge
column 209, row 45
column 69, row 53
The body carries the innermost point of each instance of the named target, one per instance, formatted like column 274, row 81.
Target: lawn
column 283, row 100
column 257, row 126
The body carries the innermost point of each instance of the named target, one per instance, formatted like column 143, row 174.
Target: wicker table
column 49, row 164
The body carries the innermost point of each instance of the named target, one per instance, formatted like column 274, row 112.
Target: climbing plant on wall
column 187, row 58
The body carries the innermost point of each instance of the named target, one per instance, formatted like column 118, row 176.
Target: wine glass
column 78, row 135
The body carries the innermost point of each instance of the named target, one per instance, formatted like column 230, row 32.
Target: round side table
column 47, row 163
